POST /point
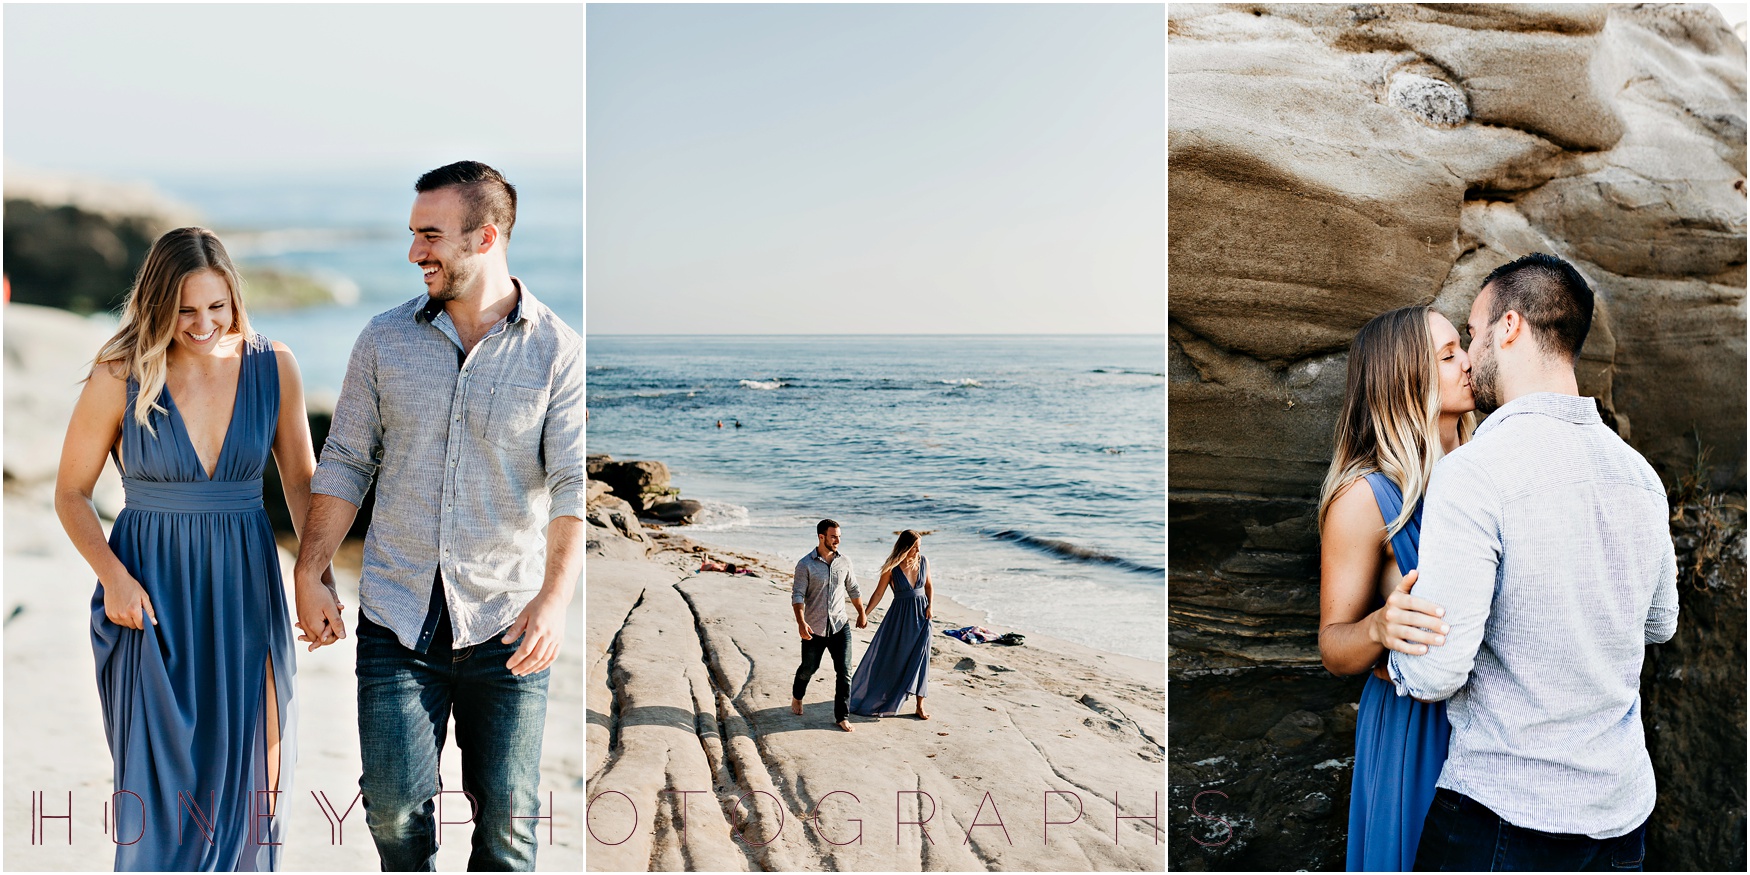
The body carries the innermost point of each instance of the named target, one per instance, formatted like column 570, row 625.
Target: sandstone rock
column 642, row 484
column 1692, row 699
column 595, row 489
column 681, row 511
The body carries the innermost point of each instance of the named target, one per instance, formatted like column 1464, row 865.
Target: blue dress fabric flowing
column 1400, row 743
column 897, row 663
column 184, row 701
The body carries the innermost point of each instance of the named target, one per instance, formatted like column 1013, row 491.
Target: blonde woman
column 897, row 663
column 189, row 620
column 1408, row 403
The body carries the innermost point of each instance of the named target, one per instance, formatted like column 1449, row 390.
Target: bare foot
column 846, row 726
column 921, row 714
column 796, row 706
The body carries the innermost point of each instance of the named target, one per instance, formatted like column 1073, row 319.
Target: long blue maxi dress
column 1400, row 743
column 897, row 663
column 184, row 700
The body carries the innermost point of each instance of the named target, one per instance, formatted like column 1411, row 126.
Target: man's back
column 1547, row 541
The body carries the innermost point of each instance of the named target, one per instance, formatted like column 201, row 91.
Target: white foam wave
column 967, row 384
column 756, row 384
column 719, row 515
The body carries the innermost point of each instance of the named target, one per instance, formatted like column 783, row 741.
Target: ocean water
column 351, row 230
column 1037, row 462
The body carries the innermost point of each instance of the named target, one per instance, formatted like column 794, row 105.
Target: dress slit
column 271, row 729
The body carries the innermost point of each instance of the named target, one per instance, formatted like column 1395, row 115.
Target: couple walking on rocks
column 465, row 405
column 898, row 660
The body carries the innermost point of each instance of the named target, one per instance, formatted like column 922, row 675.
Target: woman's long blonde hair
column 141, row 344
column 906, row 540
column 1391, row 411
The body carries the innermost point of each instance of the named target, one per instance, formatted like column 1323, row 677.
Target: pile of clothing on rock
column 981, row 635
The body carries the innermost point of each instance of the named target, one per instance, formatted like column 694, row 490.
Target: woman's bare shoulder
column 1353, row 510
column 110, row 375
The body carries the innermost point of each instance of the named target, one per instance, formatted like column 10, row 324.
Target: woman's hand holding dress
column 126, row 604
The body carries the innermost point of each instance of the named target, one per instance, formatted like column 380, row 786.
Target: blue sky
column 876, row 169
column 156, row 90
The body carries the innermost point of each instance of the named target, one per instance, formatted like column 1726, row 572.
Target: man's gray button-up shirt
column 472, row 461
column 821, row 587
column 1547, row 540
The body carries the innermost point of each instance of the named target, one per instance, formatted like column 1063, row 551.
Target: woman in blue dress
column 897, row 663
column 1408, row 403
column 189, row 622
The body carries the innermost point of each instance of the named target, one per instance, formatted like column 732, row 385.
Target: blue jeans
column 1463, row 835
column 405, row 702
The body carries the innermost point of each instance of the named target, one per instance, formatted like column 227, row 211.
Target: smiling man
column 467, row 404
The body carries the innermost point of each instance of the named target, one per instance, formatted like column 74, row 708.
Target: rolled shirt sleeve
column 1662, row 613
column 562, row 439
column 1460, row 556
column 799, row 583
column 354, row 446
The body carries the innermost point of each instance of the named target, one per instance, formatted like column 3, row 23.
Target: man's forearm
column 324, row 528
column 564, row 557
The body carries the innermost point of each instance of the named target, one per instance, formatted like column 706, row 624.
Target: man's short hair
column 1552, row 296
column 821, row 527
column 486, row 196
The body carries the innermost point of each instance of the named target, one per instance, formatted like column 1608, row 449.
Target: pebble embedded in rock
column 1435, row 102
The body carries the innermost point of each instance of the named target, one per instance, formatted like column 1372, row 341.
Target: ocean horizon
column 350, row 230
column 1038, row 461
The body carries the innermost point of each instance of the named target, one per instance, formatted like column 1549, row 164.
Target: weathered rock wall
column 1330, row 162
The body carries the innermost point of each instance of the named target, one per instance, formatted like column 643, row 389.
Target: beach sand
column 689, row 709
column 55, row 740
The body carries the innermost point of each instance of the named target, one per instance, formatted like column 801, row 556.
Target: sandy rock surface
column 689, row 689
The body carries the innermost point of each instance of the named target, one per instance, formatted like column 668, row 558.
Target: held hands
column 319, row 610
column 1408, row 624
column 126, row 604
column 862, row 620
column 541, row 625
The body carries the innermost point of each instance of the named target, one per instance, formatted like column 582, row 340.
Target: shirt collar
column 1577, row 409
column 434, row 306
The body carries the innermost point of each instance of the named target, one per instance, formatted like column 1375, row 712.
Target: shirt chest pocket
column 508, row 415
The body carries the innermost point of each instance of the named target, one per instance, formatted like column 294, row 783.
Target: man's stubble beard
column 1483, row 376
column 458, row 278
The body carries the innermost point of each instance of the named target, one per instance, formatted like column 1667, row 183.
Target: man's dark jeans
column 839, row 645
column 404, row 705
column 1463, row 835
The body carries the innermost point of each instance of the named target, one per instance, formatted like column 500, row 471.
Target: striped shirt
column 1547, row 540
column 474, row 457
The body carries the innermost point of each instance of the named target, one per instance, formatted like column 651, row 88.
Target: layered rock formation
column 1330, row 162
